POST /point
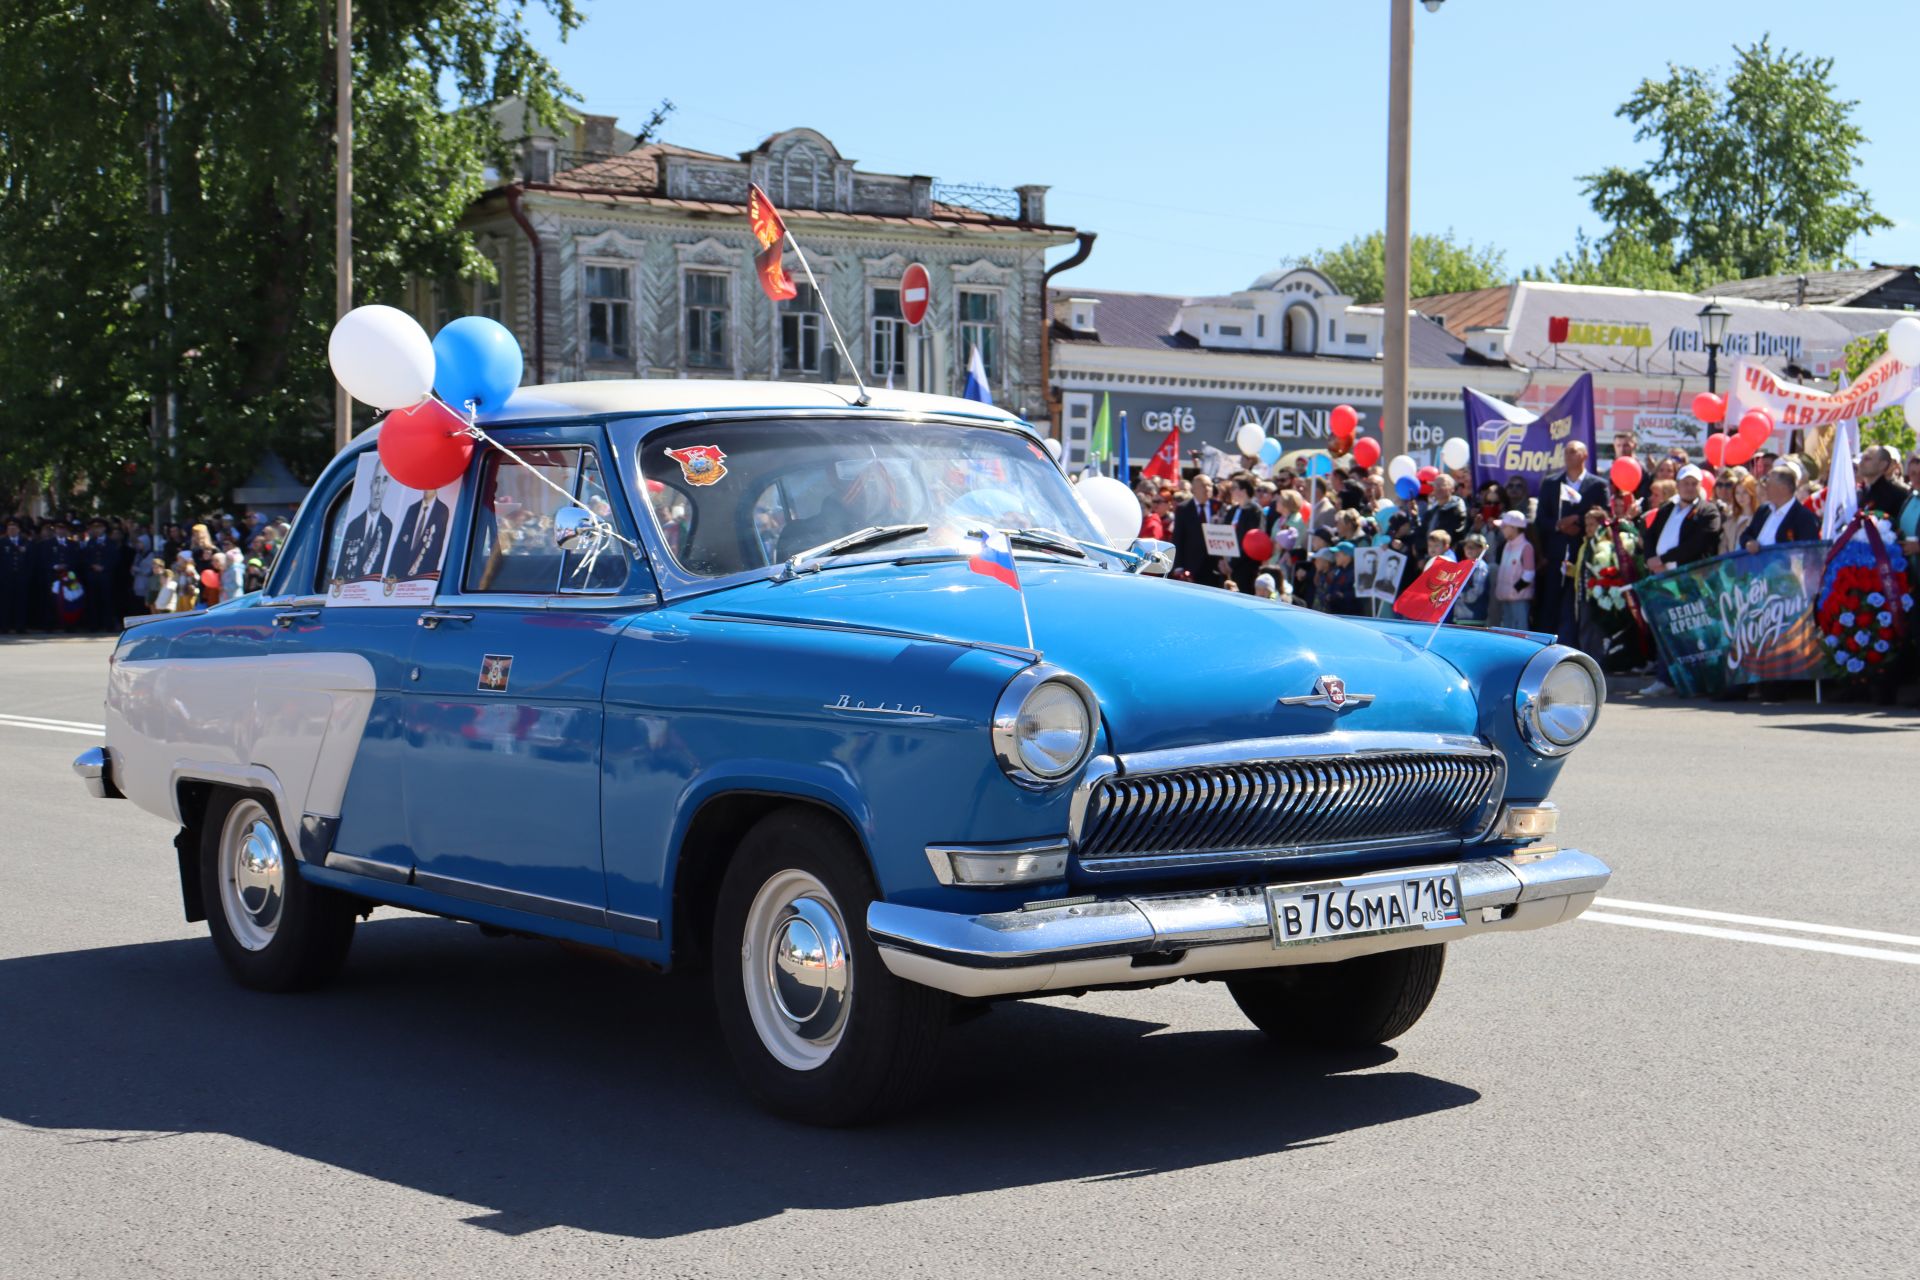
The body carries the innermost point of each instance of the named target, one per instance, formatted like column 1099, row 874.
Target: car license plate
column 1425, row 899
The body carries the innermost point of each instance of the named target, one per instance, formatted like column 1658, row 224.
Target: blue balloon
column 1270, row 451
column 476, row 359
column 1407, row 487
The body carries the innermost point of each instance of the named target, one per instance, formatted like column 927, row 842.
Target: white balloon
column 1402, row 466
column 382, row 357
column 1904, row 340
column 1248, row 439
column 1053, row 447
column 1115, row 509
column 1453, row 454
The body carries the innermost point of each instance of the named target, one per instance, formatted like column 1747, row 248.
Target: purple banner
column 1508, row 442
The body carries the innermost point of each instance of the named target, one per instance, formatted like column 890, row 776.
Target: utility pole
column 343, row 200
column 1393, row 398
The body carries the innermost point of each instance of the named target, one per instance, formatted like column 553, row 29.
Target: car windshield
column 735, row 496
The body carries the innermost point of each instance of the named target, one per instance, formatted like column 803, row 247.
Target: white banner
column 1883, row 384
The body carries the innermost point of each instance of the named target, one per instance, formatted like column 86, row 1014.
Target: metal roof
column 1813, row 288
column 687, row 395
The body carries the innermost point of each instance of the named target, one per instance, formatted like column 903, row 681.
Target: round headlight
column 1043, row 726
column 1558, row 699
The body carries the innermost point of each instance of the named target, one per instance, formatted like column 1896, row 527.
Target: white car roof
column 671, row 395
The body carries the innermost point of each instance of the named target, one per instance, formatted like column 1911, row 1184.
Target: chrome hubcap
column 252, row 875
column 797, row 969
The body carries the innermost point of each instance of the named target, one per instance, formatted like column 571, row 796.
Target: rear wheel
column 1349, row 1004
column 818, row 1029
column 275, row 931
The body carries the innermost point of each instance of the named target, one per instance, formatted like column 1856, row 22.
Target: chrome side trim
column 854, row 628
column 637, row 926
column 1077, row 943
column 368, row 867
column 512, row 899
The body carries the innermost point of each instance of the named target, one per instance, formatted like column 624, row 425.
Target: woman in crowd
column 1607, row 559
column 1155, row 521
column 1738, row 494
column 187, row 581
column 233, row 577
column 1518, row 499
column 1488, row 507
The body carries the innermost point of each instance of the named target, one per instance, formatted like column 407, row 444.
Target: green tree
column 1436, row 264
column 1750, row 177
column 166, row 212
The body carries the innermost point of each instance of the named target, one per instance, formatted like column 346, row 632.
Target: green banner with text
column 1739, row 619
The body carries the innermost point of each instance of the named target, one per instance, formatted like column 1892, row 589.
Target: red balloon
column 1706, row 483
column 1716, row 449
column 1709, row 408
column 425, row 447
column 1740, row 448
column 1257, row 544
column 1626, row 474
column 1426, row 474
column 1366, row 451
column 1756, row 425
column 1343, row 420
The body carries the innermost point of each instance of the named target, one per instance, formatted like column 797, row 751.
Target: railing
column 1001, row 202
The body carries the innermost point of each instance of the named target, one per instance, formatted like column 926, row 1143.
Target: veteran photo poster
column 394, row 545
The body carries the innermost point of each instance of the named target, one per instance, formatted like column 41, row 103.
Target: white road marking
column 1764, row 922
column 51, row 726
column 1770, row 939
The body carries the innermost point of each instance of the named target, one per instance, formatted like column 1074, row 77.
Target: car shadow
column 550, row 1088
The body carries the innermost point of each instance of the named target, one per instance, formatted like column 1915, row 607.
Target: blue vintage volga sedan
column 703, row 673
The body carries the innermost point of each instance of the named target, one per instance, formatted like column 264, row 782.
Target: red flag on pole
column 1165, row 461
column 771, row 232
column 1433, row 593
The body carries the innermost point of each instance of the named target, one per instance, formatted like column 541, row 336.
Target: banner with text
column 1881, row 385
column 1739, row 619
column 1507, row 442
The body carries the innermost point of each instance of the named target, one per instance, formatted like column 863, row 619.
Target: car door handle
column 431, row 618
column 292, row 616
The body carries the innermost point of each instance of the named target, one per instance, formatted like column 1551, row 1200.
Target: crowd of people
column 1555, row 560
column 68, row 573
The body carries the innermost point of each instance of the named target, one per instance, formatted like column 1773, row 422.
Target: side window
column 513, row 549
column 336, row 534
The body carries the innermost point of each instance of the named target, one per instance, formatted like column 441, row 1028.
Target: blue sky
column 1208, row 141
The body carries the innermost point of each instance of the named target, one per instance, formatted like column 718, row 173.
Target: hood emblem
column 1330, row 692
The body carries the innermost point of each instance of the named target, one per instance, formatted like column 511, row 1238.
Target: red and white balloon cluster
column 383, row 358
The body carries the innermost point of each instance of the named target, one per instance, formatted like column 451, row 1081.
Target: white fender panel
column 289, row 724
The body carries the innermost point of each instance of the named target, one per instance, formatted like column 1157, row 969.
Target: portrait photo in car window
column 395, row 542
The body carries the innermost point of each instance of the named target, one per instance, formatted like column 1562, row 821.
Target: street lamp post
column 1713, row 331
column 1397, row 300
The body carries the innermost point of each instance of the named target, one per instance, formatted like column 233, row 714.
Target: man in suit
column 14, row 577
column 1780, row 518
column 1686, row 528
column 98, row 560
column 1189, row 536
column 47, row 552
column 363, row 551
column 1559, row 523
column 423, row 536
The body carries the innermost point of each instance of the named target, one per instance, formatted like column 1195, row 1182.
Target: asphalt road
column 1646, row 1094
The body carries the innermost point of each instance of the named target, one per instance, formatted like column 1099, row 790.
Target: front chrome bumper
column 1117, row 941
column 95, row 767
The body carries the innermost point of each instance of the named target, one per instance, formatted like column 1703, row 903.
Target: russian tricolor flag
column 993, row 556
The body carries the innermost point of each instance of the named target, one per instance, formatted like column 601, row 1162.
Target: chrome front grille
column 1290, row 806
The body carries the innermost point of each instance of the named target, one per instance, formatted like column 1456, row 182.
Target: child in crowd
column 1340, row 591
column 1513, row 580
column 1475, row 598
column 1321, row 596
column 166, row 592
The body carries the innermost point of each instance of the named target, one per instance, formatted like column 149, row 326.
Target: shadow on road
column 554, row 1089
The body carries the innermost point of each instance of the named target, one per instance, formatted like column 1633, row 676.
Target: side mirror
column 1156, row 557
column 569, row 523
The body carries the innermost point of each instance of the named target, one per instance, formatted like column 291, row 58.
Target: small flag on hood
column 993, row 556
column 1433, row 594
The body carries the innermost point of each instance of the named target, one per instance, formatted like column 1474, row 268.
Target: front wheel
column 818, row 1028
column 275, row 931
column 1349, row 1004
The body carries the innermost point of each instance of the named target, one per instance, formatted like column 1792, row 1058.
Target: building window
column 800, row 177
column 540, row 155
column 609, row 312
column 490, row 296
column 706, row 295
column 888, row 358
column 800, row 331
column 980, row 327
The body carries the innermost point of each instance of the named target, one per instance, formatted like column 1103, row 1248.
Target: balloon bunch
column 383, row 358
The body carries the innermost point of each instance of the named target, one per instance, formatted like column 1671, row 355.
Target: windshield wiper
column 873, row 535
column 1046, row 540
